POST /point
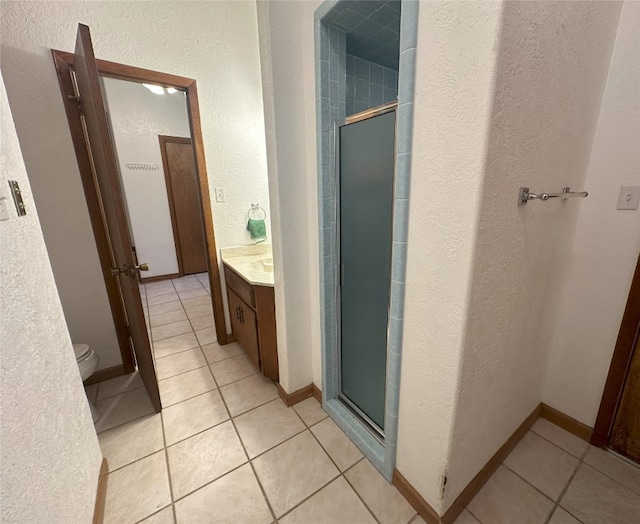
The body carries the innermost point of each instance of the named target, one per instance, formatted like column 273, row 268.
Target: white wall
column 137, row 117
column 456, row 55
column 215, row 43
column 605, row 250
column 289, row 100
column 50, row 454
column 551, row 71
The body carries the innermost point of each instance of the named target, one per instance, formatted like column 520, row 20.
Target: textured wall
column 215, row 43
column 50, row 454
column 288, row 78
column 137, row 117
column 454, row 78
column 551, row 71
column 605, row 250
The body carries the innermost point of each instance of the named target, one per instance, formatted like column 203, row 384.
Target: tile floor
column 225, row 449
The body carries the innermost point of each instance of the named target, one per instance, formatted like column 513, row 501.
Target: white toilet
column 87, row 360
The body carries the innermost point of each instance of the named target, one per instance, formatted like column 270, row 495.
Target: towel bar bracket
column 524, row 195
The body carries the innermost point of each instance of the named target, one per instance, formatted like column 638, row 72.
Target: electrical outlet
column 220, row 194
column 629, row 197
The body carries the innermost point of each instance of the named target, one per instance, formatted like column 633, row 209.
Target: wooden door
column 625, row 437
column 184, row 203
column 106, row 174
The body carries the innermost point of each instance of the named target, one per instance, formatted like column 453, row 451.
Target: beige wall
column 552, row 65
column 289, row 101
column 605, row 251
column 455, row 74
column 49, row 453
column 214, row 42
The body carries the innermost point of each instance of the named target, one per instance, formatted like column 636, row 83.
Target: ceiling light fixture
column 160, row 90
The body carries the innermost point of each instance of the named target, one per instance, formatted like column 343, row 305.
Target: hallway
column 226, row 449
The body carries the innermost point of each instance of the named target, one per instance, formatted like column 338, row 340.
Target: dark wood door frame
column 620, row 362
column 164, row 139
column 64, row 66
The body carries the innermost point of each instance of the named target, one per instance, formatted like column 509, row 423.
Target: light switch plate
column 629, row 197
column 4, row 212
column 220, row 194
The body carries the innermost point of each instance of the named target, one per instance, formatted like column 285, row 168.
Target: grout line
column 255, row 474
column 166, row 458
column 558, row 445
column 562, row 493
column 522, row 478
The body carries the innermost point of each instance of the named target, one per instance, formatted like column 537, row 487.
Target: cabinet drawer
column 240, row 287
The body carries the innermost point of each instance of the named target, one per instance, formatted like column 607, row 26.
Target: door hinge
column 77, row 100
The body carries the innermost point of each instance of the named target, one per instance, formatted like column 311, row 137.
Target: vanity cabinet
column 253, row 321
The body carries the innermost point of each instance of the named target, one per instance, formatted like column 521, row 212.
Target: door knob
column 129, row 270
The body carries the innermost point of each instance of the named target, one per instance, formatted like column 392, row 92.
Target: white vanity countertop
column 248, row 262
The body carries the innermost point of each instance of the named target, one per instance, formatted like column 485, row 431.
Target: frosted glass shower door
column 366, row 170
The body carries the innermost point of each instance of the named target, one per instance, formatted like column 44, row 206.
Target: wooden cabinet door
column 244, row 326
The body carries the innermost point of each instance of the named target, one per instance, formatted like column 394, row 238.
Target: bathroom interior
column 262, row 306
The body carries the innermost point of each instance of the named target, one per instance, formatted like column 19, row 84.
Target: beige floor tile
column 506, row 499
column 464, row 518
column 617, row 469
column 204, row 457
column 234, row 499
column 542, row 464
column 248, row 393
column 310, row 411
column 232, row 369
column 179, row 363
column 169, row 307
column 186, row 385
column 206, row 336
column 192, row 293
column 92, row 392
column 170, row 330
column 294, row 470
column 164, row 516
column 381, row 498
column 567, row 441
column 172, row 345
column 163, row 299
column 199, row 311
column 123, row 408
column 193, row 416
column 267, row 426
column 167, row 318
column 200, row 323
column 560, row 516
column 159, row 288
column 190, row 303
column 130, row 442
column 137, row 490
column 215, row 352
column 594, row 498
column 343, row 452
column 187, row 285
column 419, row 520
column 119, row 385
column 334, row 503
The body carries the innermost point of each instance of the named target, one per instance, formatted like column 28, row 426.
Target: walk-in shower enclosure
column 365, row 58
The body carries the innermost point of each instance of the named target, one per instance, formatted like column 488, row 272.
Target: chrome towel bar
column 524, row 195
